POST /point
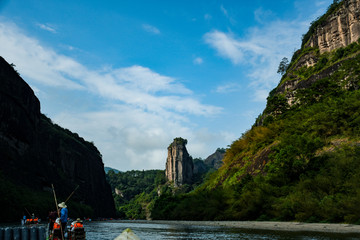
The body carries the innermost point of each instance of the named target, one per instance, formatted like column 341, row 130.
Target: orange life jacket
column 56, row 225
column 78, row 225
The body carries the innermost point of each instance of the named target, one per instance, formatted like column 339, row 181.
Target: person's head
column 62, row 205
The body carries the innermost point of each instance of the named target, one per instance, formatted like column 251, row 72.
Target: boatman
column 63, row 216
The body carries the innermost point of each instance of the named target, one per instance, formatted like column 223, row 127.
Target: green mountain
column 301, row 159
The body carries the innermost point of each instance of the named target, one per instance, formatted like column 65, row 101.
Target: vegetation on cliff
column 301, row 159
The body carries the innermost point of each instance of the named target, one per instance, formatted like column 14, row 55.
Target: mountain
column 36, row 153
column 107, row 169
column 301, row 158
column 215, row 159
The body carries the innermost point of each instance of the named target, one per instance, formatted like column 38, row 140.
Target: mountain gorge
column 36, row 153
column 300, row 160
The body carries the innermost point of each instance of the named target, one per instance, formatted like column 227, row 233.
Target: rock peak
column 179, row 164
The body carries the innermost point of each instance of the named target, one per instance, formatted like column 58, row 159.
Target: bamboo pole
column 72, row 193
column 57, row 210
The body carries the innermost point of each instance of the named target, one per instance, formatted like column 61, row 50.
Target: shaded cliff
column 36, row 153
column 179, row 164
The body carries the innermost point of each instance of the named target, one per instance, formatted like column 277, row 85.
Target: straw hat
column 78, row 220
column 62, row 205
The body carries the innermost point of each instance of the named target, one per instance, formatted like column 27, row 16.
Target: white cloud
column 225, row 45
column 263, row 16
column 47, row 27
column 260, row 50
column 151, row 29
column 145, row 110
column 228, row 87
column 198, row 61
column 131, row 138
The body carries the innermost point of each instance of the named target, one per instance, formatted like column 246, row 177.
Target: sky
column 132, row 75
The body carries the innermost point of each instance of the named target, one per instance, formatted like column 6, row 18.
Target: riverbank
column 271, row 226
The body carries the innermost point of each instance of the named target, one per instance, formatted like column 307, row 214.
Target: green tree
column 283, row 66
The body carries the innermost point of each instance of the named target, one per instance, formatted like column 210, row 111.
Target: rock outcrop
column 33, row 148
column 340, row 29
column 215, row 159
column 179, row 164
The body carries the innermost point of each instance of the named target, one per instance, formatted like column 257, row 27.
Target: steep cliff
column 339, row 29
column 330, row 54
column 179, row 164
column 36, row 153
column 300, row 161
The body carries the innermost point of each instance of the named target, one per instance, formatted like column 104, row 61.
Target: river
column 155, row 231
column 152, row 230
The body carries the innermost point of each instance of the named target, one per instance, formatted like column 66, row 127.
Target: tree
column 283, row 66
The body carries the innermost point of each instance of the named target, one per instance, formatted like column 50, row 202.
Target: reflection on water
column 153, row 231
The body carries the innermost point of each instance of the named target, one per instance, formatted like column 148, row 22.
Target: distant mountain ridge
column 36, row 153
column 107, row 169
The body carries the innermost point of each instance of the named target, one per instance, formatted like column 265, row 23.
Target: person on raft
column 63, row 216
column 52, row 217
column 76, row 224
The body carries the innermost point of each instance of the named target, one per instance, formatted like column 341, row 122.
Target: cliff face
column 179, row 164
column 340, row 29
column 329, row 55
column 32, row 147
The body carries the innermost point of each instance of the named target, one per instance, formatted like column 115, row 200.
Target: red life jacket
column 78, row 225
column 56, row 225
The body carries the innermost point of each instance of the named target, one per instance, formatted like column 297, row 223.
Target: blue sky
column 131, row 75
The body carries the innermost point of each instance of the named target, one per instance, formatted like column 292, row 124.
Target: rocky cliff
column 179, row 164
column 329, row 54
column 33, row 148
column 340, row 29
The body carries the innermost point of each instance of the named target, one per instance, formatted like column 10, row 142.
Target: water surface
column 155, row 231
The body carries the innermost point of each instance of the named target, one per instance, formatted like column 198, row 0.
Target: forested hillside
column 301, row 159
column 134, row 191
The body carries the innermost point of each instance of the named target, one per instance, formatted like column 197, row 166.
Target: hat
column 78, row 220
column 62, row 205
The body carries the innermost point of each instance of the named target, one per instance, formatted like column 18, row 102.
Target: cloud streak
column 151, row 29
column 46, row 27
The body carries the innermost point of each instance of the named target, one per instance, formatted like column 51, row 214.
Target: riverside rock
column 33, row 148
column 179, row 164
